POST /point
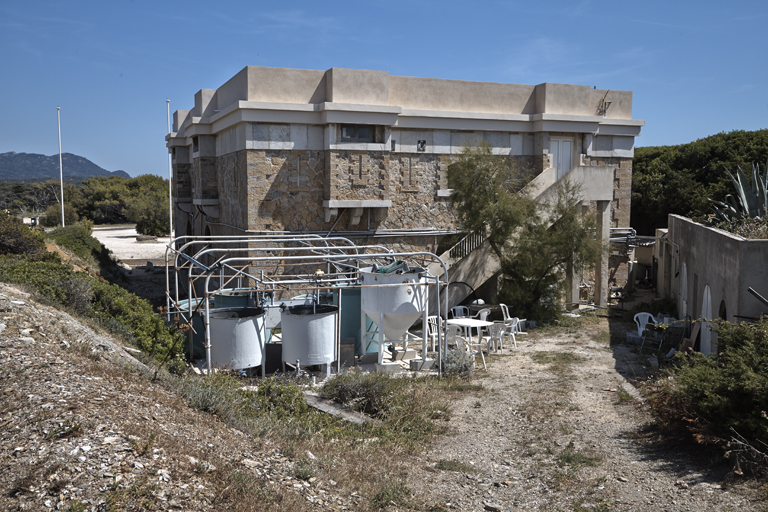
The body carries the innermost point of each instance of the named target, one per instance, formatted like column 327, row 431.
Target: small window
column 195, row 145
column 357, row 133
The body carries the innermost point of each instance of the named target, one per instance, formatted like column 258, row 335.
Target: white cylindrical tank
column 237, row 337
column 401, row 305
column 309, row 334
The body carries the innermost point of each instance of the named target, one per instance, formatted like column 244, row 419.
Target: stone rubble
column 77, row 424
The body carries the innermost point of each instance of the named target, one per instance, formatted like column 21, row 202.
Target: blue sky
column 696, row 68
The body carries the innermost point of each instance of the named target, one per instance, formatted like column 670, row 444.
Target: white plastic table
column 469, row 324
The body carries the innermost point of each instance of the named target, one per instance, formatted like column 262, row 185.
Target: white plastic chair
column 505, row 312
column 481, row 315
column 473, row 348
column 510, row 329
column 494, row 335
column 433, row 328
column 460, row 312
column 453, row 336
column 642, row 319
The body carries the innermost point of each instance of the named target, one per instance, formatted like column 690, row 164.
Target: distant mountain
column 30, row 167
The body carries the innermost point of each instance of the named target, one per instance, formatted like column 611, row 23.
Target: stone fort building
column 364, row 153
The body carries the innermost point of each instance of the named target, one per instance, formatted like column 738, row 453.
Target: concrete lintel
column 461, row 124
column 444, row 114
column 351, row 107
column 362, row 117
column 349, row 203
column 197, row 128
column 565, row 126
column 626, row 131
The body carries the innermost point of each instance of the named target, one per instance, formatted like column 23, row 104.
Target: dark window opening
column 358, row 133
column 195, row 145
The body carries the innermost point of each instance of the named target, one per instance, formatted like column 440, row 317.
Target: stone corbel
column 330, row 213
column 355, row 215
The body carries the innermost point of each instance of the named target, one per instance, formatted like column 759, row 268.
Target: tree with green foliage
column 52, row 215
column 681, row 179
column 148, row 205
column 534, row 241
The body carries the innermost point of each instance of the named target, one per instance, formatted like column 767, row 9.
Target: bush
column 52, row 215
column 717, row 395
column 108, row 304
column 18, row 238
column 369, row 393
column 458, row 363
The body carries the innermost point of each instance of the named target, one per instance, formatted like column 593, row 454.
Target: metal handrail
column 466, row 245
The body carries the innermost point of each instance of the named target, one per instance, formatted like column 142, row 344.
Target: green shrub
column 393, row 490
column 369, row 393
column 710, row 396
column 78, row 239
column 109, row 304
column 18, row 238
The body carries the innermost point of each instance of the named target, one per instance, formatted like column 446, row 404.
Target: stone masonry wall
column 182, row 183
column 231, row 172
column 203, row 178
column 285, row 189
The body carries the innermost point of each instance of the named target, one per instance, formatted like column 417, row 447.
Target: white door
column 683, row 292
column 562, row 155
column 706, row 325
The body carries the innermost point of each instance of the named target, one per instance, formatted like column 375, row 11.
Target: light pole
column 170, row 167
column 61, row 168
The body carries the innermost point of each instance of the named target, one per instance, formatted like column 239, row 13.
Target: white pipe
column 170, row 172
column 61, row 167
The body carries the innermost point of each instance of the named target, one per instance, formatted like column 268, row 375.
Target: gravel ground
column 558, row 427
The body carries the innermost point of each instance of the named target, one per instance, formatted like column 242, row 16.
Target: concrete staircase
column 471, row 262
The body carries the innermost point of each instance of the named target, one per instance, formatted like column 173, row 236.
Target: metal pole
column 61, row 168
column 170, row 168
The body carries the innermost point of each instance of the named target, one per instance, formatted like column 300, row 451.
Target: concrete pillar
column 572, row 281
column 601, row 265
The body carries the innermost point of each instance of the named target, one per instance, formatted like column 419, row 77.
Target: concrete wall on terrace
column 357, row 86
column 726, row 263
column 279, row 85
column 754, row 272
column 369, row 87
column 582, row 100
column 621, row 103
column 460, row 96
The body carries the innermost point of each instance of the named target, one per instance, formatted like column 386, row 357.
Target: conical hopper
column 401, row 305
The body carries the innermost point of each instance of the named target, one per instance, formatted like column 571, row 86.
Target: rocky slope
column 83, row 427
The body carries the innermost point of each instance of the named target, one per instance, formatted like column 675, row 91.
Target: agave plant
column 750, row 201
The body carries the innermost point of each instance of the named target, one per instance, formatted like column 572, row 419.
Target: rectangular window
column 357, row 133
